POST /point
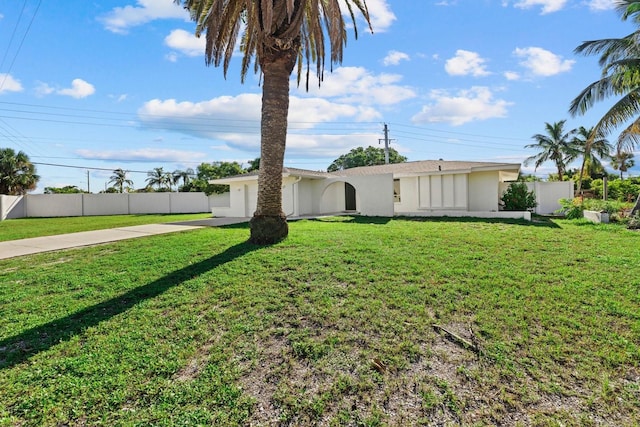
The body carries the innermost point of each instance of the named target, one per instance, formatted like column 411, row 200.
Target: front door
column 349, row 197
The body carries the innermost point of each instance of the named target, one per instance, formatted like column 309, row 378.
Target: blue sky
column 123, row 84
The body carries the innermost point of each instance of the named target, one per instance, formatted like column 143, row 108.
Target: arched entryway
column 349, row 197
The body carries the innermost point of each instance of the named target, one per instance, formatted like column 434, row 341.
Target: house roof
column 397, row 169
column 426, row 166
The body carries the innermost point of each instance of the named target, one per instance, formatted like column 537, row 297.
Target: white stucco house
column 421, row 188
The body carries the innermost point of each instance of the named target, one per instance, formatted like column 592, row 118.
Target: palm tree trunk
column 269, row 223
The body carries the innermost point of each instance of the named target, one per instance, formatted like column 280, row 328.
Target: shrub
column 634, row 222
column 570, row 208
column 518, row 198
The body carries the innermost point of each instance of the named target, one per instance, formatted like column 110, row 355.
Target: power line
column 21, row 42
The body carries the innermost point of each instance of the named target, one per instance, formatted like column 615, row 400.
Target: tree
column 620, row 63
column 161, row 179
column 622, row 161
column 17, row 173
column 278, row 34
column 68, row 189
column 360, row 156
column 555, row 146
column 214, row 170
column 254, row 165
column 184, row 175
column 593, row 150
column 119, row 179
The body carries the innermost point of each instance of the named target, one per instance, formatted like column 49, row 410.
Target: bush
column 571, row 208
column 634, row 222
column 518, row 198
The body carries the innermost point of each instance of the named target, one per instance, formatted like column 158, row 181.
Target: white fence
column 547, row 194
column 52, row 205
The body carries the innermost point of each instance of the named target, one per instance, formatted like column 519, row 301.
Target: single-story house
column 420, row 188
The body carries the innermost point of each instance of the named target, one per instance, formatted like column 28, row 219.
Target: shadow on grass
column 21, row 347
column 537, row 221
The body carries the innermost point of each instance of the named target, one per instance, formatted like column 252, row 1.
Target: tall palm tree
column 622, row 161
column 276, row 34
column 184, row 175
column 17, row 173
column 555, row 146
column 592, row 148
column 119, row 179
column 620, row 63
column 159, row 178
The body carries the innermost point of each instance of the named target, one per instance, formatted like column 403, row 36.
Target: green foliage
column 360, row 156
column 209, row 171
column 518, row 198
column 624, row 190
column 17, row 173
column 634, row 222
column 69, row 189
column 201, row 328
column 570, row 208
column 254, row 165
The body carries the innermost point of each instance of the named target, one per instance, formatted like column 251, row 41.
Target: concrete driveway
column 16, row 248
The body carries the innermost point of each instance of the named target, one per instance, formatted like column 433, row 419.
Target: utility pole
column 387, row 141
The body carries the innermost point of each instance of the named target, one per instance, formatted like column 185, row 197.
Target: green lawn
column 13, row 229
column 332, row 327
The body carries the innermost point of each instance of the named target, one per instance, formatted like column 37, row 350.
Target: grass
column 13, row 229
column 331, row 327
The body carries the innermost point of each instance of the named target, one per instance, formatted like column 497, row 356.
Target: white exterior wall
column 106, row 204
column 189, row 202
column 547, row 194
column 306, row 192
column 484, row 192
column 50, row 205
column 374, row 194
column 442, row 192
column 150, row 203
column 219, row 200
column 409, row 195
column 12, row 207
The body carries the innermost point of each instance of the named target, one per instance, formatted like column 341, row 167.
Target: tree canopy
column 360, row 156
column 214, row 170
column 17, row 173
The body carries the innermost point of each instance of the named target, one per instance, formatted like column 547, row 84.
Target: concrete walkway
column 16, row 248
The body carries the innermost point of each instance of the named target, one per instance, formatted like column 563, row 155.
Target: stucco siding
column 409, row 195
column 443, row 191
column 483, row 191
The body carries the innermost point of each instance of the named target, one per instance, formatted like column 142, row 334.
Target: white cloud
column 185, row 42
column 511, row 75
column 79, row 89
column 356, row 85
column 235, row 121
column 466, row 106
column 143, row 154
column 120, row 19
column 380, row 15
column 602, row 4
column 9, row 84
column 548, row 6
column 541, row 62
column 394, row 57
column 466, row 63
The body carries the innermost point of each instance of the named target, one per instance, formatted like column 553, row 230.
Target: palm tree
column 622, row 161
column 17, row 173
column 119, row 179
column 555, row 146
column 184, row 175
column 276, row 34
column 620, row 63
column 592, row 149
column 159, row 178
